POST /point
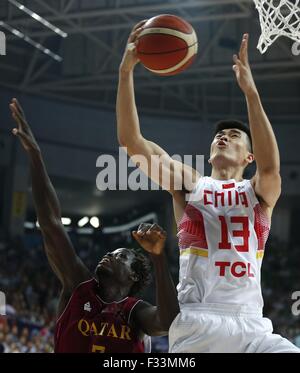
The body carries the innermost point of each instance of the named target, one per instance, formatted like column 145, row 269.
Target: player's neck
column 110, row 293
column 228, row 173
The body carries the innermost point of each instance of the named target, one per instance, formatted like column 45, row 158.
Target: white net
column 278, row 18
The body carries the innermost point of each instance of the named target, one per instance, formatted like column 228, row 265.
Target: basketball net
column 278, row 18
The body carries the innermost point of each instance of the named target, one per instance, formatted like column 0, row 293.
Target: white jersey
column 222, row 237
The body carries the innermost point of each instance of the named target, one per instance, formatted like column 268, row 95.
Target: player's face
column 117, row 264
column 230, row 146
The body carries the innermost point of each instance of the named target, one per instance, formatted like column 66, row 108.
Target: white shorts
column 213, row 328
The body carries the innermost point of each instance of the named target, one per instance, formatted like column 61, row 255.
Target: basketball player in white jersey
column 223, row 227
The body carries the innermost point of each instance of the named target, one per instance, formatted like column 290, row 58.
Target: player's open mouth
column 221, row 144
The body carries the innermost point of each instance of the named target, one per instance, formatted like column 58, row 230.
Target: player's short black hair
column 142, row 268
column 232, row 123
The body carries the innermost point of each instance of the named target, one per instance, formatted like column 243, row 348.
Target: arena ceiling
column 97, row 32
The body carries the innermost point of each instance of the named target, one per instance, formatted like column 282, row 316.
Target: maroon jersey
column 88, row 324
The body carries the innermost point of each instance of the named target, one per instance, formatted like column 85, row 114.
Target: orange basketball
column 167, row 45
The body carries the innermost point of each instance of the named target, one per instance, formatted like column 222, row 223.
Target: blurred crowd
column 280, row 280
column 32, row 290
column 31, row 297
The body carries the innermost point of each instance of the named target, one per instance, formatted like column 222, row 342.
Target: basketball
column 167, row 45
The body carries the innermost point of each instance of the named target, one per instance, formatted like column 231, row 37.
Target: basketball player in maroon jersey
column 99, row 313
column 224, row 223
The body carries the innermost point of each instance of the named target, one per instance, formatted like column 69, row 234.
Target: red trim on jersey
column 261, row 226
column 191, row 229
column 228, row 186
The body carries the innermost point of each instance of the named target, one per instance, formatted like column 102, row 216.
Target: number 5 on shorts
column 99, row 349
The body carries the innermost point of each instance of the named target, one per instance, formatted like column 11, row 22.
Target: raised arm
column 59, row 250
column 170, row 174
column 267, row 180
column 156, row 320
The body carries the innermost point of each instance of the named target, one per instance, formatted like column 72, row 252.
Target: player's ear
column 134, row 277
column 209, row 161
column 250, row 158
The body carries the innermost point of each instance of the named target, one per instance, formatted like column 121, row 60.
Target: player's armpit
column 64, row 298
column 267, row 187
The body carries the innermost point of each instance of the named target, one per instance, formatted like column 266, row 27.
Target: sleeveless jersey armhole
column 59, row 317
column 256, row 203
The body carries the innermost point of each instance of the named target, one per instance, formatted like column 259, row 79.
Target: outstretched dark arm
column 60, row 252
column 156, row 320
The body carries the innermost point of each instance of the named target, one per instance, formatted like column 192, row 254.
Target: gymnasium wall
column 72, row 137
